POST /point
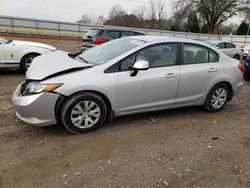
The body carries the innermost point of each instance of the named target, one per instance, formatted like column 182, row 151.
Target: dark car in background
column 101, row 35
column 246, row 73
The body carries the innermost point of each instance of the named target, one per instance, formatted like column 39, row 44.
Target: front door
column 152, row 89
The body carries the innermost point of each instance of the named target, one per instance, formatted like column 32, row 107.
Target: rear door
column 200, row 68
column 155, row 88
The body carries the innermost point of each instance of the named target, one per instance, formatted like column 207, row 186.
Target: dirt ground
column 175, row 148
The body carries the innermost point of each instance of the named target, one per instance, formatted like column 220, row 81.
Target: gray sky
column 72, row 10
column 65, row 10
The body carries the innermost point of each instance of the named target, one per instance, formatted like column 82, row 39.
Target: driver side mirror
column 218, row 48
column 139, row 65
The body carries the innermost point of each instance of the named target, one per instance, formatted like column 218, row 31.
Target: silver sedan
column 126, row 76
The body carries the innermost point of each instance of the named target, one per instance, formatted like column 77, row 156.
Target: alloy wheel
column 219, row 98
column 85, row 114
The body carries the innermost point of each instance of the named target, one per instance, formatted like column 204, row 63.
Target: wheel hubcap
column 29, row 61
column 219, row 98
column 85, row 114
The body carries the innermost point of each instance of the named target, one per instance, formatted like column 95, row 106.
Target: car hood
column 53, row 64
column 33, row 44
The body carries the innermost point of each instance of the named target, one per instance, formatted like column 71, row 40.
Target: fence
column 16, row 25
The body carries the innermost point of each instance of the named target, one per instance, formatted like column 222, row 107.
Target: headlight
column 36, row 87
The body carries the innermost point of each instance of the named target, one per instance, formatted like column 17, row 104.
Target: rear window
column 93, row 33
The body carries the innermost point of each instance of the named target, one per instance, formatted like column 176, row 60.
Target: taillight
column 241, row 67
column 99, row 40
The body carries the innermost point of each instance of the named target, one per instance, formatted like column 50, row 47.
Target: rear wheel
column 83, row 112
column 246, row 74
column 27, row 60
column 237, row 57
column 217, row 98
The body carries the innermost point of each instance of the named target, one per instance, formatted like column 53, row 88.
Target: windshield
column 110, row 50
column 4, row 40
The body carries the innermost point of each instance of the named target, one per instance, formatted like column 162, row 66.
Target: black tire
column 70, row 104
column 24, row 60
column 246, row 75
column 208, row 103
column 237, row 57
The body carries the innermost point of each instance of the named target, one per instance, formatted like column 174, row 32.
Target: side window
column 221, row 45
column 127, row 33
column 114, row 34
column 230, row 45
column 158, row 56
column 194, row 54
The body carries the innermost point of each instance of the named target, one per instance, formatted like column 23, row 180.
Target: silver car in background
column 228, row 48
column 125, row 76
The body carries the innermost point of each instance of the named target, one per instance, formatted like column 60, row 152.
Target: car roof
column 149, row 38
column 218, row 41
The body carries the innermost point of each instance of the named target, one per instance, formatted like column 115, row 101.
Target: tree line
column 197, row 16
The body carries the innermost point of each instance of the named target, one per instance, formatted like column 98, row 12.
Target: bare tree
column 116, row 11
column 160, row 6
column 85, row 19
column 140, row 12
column 140, row 15
column 152, row 14
column 213, row 12
column 180, row 17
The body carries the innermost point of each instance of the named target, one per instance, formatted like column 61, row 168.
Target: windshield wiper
column 75, row 55
column 82, row 59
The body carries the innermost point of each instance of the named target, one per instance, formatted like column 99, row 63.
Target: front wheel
column 217, row 98
column 83, row 112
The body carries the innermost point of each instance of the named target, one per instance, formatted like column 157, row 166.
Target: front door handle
column 171, row 75
column 211, row 70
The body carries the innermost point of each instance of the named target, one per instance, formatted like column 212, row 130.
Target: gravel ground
column 175, row 148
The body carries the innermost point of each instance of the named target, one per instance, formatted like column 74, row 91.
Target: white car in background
column 20, row 54
column 246, row 51
column 228, row 48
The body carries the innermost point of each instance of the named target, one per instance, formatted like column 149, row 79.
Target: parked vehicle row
column 125, row 76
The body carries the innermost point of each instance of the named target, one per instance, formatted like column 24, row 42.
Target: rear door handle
column 212, row 70
column 171, row 75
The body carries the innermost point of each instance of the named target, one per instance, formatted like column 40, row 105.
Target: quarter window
column 196, row 54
